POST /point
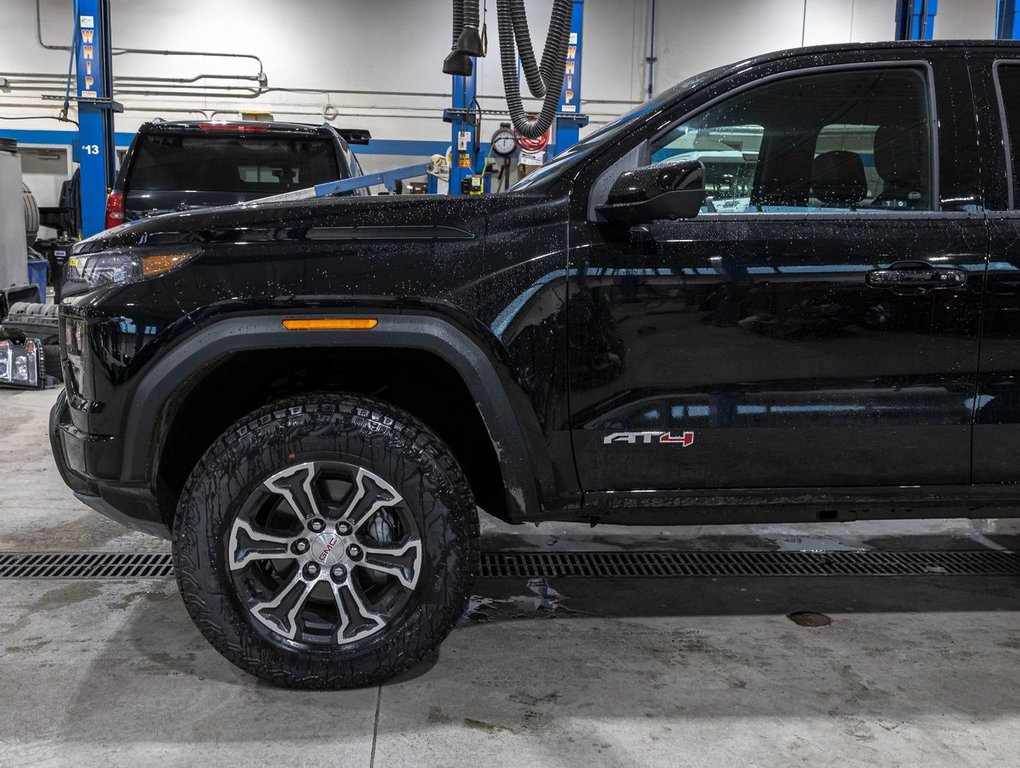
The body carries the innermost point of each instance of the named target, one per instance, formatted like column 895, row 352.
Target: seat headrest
column 898, row 155
column 837, row 178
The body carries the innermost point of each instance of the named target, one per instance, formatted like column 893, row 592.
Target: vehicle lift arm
column 387, row 179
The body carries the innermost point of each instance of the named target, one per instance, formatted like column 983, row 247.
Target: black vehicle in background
column 177, row 166
column 821, row 322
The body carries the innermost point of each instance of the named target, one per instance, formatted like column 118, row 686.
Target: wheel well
column 417, row 381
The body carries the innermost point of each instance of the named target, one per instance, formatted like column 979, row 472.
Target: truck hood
column 282, row 221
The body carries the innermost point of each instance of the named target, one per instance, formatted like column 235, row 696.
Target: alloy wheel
column 324, row 552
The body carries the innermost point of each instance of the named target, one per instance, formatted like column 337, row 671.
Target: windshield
column 607, row 133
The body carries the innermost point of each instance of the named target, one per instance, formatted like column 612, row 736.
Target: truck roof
column 892, row 45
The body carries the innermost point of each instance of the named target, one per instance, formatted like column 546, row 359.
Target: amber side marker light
column 154, row 265
column 331, row 324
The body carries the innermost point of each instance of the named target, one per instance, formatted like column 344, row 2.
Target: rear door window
column 260, row 165
column 1008, row 79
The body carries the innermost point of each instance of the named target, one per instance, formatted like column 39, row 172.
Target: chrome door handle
column 911, row 276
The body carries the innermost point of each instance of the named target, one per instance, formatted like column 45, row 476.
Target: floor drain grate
column 85, row 565
column 592, row 565
column 680, row 564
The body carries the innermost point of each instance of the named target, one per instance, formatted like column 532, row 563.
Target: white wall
column 965, row 19
column 387, row 46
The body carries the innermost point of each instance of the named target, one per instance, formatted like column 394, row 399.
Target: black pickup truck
column 181, row 165
column 784, row 290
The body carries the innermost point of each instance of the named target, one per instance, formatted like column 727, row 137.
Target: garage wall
column 315, row 50
column 965, row 19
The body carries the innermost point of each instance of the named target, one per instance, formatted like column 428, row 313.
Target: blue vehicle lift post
column 915, row 19
column 94, row 150
column 1007, row 20
column 461, row 117
column 569, row 120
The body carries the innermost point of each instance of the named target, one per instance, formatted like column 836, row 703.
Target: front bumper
column 85, row 462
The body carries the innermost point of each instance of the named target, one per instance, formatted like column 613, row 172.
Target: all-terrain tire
column 359, row 431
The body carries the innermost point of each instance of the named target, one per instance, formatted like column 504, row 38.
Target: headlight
column 21, row 364
column 122, row 265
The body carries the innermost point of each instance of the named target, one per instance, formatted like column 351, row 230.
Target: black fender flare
column 504, row 407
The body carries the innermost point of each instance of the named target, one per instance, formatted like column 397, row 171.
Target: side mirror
column 654, row 192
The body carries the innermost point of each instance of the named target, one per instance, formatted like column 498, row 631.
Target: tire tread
column 308, row 670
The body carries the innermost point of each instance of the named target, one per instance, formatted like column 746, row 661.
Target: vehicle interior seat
column 898, row 160
column 838, row 179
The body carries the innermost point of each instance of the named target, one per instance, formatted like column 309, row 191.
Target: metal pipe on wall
column 52, row 76
column 146, row 51
column 38, row 32
column 34, row 117
column 60, row 78
column 54, row 88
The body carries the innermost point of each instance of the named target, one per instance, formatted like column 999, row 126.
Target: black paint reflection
column 762, row 335
column 774, row 408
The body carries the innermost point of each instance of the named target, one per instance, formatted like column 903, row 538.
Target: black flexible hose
column 472, row 14
column 458, row 20
column 554, row 56
column 510, row 17
column 522, row 37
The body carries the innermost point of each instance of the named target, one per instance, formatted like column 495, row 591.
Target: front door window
column 843, row 141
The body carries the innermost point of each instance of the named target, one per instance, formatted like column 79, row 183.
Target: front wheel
column 326, row 541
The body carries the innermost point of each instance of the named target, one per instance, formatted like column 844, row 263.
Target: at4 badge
column 684, row 439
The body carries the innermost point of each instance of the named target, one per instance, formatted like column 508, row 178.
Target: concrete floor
column 629, row 672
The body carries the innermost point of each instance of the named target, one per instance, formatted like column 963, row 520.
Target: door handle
column 914, row 276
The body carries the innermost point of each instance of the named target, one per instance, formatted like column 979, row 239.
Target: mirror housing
column 655, row 192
